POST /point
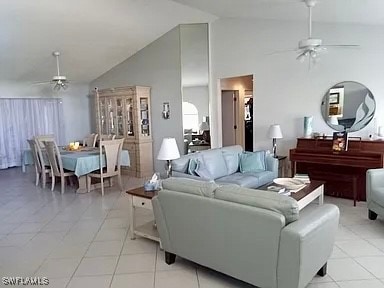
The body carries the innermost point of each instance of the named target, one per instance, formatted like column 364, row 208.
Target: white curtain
column 21, row 119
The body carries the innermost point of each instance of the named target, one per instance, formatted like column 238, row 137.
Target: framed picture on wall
column 334, row 98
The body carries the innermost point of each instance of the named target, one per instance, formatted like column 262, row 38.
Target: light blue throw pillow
column 252, row 161
column 192, row 165
column 202, row 171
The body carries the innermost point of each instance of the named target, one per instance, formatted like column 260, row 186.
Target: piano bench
column 347, row 178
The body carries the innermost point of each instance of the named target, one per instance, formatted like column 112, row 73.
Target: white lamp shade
column 204, row 126
column 168, row 150
column 275, row 132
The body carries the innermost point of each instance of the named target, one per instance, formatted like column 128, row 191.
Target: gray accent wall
column 158, row 66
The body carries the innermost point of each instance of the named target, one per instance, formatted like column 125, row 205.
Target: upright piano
column 344, row 172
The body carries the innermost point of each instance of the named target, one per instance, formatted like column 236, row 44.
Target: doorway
column 237, row 111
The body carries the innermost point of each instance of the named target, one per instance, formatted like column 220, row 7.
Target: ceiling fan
column 59, row 81
column 311, row 47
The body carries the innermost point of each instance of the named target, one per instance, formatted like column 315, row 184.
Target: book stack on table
column 303, row 178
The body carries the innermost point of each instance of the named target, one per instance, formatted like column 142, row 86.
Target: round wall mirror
column 348, row 106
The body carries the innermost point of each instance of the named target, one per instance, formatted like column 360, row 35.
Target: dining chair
column 41, row 138
column 90, row 140
column 107, row 137
column 110, row 150
column 56, row 164
column 41, row 168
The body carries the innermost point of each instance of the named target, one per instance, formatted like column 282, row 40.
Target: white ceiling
column 92, row 35
column 340, row 11
column 95, row 35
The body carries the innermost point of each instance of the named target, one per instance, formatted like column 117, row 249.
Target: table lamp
column 274, row 133
column 168, row 151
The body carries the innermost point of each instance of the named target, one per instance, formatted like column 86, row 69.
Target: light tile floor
column 80, row 240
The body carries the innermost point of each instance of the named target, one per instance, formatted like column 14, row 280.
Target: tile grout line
column 154, row 274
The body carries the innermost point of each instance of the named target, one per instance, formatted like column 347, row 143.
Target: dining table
column 81, row 162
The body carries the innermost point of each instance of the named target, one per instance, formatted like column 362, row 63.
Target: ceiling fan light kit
column 59, row 81
column 311, row 47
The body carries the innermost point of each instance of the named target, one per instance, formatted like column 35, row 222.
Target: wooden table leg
column 354, row 188
column 132, row 220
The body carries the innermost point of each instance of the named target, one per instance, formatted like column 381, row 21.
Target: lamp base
column 274, row 146
column 168, row 168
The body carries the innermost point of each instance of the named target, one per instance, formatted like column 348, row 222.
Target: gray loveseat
column 255, row 236
column 223, row 166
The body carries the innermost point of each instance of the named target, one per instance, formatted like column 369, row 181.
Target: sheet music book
column 340, row 141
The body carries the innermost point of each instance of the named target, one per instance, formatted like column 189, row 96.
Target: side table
column 282, row 165
column 141, row 198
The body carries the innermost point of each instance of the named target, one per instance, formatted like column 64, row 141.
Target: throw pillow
column 252, row 161
column 192, row 165
column 202, row 171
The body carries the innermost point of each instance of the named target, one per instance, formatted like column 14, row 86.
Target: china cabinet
column 125, row 112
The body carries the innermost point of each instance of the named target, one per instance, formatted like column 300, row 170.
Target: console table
column 343, row 172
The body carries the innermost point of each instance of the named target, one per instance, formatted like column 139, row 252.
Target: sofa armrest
column 272, row 164
column 375, row 180
column 306, row 244
column 161, row 225
column 375, row 177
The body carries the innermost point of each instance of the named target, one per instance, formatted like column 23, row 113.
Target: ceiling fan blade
column 282, row 51
column 41, row 83
column 342, row 45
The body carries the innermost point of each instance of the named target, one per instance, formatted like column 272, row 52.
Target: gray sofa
column 252, row 235
column 223, row 167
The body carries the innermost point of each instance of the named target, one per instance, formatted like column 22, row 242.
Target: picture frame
column 334, row 98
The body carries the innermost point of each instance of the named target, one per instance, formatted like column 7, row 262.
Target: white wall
column 75, row 104
column 285, row 90
column 158, row 66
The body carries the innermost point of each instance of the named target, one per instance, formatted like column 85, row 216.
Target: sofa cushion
column 214, row 162
column 181, row 164
column 192, row 165
column 202, row 171
column 244, row 180
column 284, row 205
column 252, row 161
column 232, row 161
column 190, row 186
column 264, row 177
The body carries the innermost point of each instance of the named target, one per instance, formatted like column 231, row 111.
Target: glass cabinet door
column 129, row 117
column 110, row 115
column 144, row 117
column 119, row 118
column 103, row 119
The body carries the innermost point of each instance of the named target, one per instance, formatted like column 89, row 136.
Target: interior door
column 228, row 111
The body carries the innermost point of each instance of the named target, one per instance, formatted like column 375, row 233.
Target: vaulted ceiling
column 335, row 11
column 95, row 35
column 92, row 35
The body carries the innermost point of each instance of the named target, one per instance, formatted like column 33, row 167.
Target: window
column 190, row 117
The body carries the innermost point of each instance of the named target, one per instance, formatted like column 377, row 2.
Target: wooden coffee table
column 142, row 199
column 309, row 193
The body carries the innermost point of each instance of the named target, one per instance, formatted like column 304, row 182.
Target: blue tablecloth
column 81, row 162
